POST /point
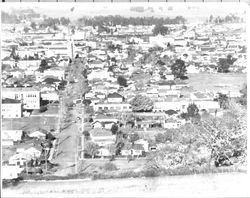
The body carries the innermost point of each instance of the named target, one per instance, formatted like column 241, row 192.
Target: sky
column 192, row 11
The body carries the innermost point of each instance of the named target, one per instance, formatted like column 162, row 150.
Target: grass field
column 217, row 82
column 30, row 123
column 121, row 163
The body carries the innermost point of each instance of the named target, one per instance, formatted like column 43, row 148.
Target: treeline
column 227, row 19
column 9, row 18
column 54, row 22
column 124, row 21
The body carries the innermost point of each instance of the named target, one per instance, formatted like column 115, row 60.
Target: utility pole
column 46, row 163
column 82, row 136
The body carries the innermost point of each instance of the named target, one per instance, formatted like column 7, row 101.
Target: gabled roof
column 129, row 146
column 10, row 101
column 114, row 95
column 102, row 116
column 50, row 80
column 100, row 133
column 10, row 89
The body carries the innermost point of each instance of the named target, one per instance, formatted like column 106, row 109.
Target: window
column 100, row 108
column 124, row 107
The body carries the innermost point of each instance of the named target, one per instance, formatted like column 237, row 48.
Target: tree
column 192, row 111
column 91, row 149
column 243, row 99
column 114, row 129
column 26, row 29
column 43, row 65
column 64, row 21
column 133, row 137
column 122, row 81
column 211, row 18
column 179, row 68
column 141, row 104
column 13, row 54
column 160, row 29
column 112, row 150
column 33, row 25
column 164, row 137
column 223, row 100
column 225, row 63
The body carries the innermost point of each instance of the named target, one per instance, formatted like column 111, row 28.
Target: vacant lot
column 30, row 123
column 121, row 163
column 217, row 82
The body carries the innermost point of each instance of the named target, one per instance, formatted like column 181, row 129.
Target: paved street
column 66, row 154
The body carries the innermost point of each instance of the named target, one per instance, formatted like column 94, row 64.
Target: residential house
column 29, row 96
column 50, row 96
column 11, row 136
column 102, row 137
column 114, row 98
column 99, row 74
column 171, row 104
column 10, row 171
column 104, row 152
column 22, row 156
column 37, row 134
column 144, row 144
column 132, row 149
column 103, row 121
column 11, row 108
column 172, row 123
column 57, row 72
column 112, row 106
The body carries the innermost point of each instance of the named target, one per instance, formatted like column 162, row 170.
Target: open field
column 208, row 185
column 30, row 123
column 217, row 82
column 121, row 163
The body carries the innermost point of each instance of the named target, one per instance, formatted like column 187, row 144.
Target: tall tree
column 223, row 100
column 33, row 25
column 122, row 81
column 225, row 63
column 179, row 69
column 91, row 149
column 243, row 98
column 192, row 111
column 114, row 129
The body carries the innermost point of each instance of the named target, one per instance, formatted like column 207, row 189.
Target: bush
column 109, row 166
column 43, row 109
column 151, row 172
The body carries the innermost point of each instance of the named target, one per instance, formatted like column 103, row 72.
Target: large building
column 29, row 96
column 11, row 108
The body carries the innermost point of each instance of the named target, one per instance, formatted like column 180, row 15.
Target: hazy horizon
column 192, row 12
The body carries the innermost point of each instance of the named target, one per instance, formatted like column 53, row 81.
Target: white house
column 37, row 134
column 24, row 64
column 11, row 108
column 112, row 107
column 10, row 171
column 51, row 96
column 29, row 96
column 102, row 137
column 14, row 135
column 99, row 74
column 114, row 98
